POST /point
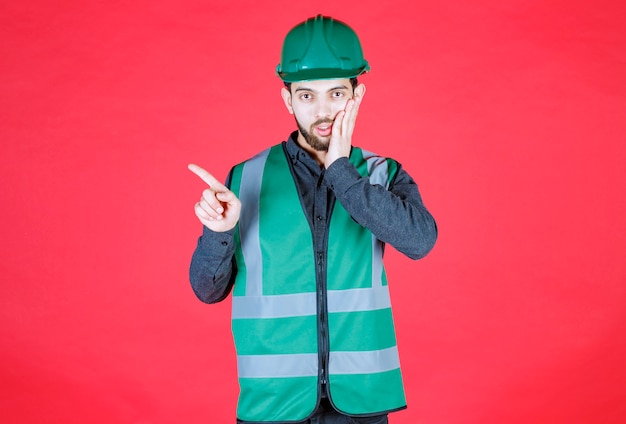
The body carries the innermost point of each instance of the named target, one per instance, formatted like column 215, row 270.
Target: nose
column 323, row 109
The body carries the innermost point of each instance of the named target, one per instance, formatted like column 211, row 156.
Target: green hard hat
column 321, row 48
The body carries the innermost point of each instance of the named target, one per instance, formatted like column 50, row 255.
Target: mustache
column 322, row 121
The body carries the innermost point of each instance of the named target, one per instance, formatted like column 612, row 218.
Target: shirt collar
column 298, row 154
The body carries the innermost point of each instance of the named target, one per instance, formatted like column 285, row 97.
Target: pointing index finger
column 206, row 176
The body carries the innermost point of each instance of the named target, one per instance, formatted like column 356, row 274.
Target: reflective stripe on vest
column 305, row 364
column 249, row 222
column 276, row 332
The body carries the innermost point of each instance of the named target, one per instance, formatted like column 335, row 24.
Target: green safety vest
column 274, row 305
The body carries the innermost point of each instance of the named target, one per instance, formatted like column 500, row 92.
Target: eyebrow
column 339, row 87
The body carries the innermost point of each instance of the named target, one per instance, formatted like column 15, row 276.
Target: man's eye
column 305, row 96
column 337, row 94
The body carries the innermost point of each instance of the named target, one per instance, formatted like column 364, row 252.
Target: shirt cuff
column 217, row 242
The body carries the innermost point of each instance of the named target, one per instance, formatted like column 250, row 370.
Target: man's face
column 315, row 105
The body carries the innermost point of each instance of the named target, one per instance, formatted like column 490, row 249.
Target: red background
column 510, row 115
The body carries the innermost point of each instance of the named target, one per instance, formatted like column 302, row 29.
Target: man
column 297, row 234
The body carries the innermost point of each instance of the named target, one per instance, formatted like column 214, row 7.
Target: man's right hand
column 218, row 208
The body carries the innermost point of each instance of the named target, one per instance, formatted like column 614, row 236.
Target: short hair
column 354, row 81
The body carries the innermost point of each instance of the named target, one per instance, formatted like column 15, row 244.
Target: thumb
column 225, row 196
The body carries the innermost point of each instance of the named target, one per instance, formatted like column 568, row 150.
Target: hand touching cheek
column 343, row 128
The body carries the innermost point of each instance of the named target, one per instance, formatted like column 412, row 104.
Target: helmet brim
column 318, row 74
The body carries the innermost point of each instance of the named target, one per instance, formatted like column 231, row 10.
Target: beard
column 312, row 140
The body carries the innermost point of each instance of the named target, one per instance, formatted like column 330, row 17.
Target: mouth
column 325, row 129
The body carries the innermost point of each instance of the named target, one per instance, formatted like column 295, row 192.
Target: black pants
column 325, row 414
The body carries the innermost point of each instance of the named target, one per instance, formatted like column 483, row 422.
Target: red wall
column 510, row 115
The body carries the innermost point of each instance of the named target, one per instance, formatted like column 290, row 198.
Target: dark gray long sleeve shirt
column 396, row 216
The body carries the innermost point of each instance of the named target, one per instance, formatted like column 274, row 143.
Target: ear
column 286, row 95
column 359, row 90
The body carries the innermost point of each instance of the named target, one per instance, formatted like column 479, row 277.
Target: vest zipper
column 323, row 321
column 322, row 211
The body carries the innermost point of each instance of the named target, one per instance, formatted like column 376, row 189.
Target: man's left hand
column 343, row 127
